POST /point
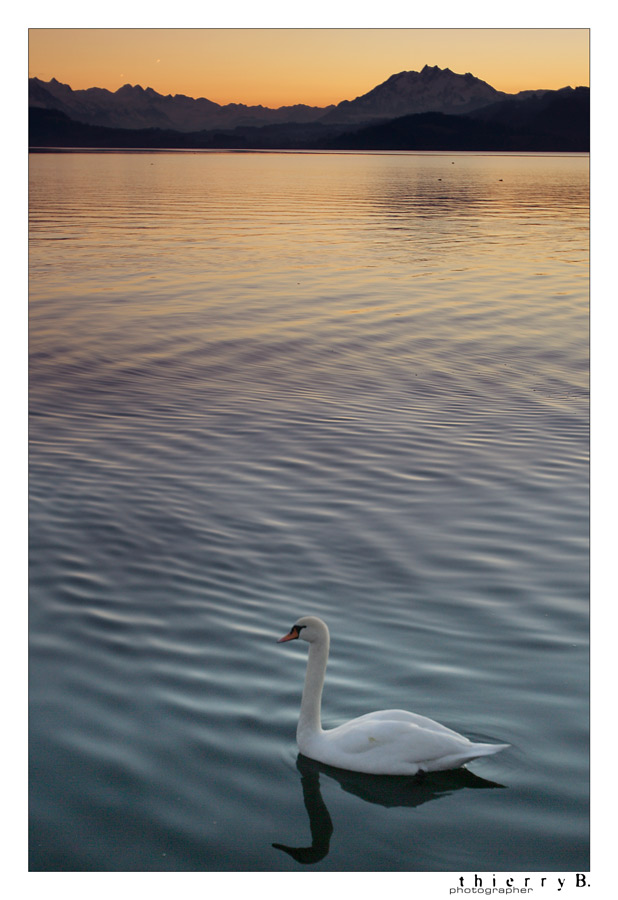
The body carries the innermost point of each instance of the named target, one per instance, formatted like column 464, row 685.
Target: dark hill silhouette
column 556, row 121
column 54, row 129
column 427, row 131
column 562, row 114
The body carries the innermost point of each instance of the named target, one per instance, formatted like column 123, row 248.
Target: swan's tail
column 476, row 750
column 487, row 749
column 468, row 753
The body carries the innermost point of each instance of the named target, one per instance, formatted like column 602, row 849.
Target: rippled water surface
column 266, row 385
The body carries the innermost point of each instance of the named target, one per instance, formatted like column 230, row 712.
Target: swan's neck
column 309, row 721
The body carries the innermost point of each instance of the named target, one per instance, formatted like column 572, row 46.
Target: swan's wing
column 395, row 737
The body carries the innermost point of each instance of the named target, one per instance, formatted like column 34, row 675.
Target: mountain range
column 432, row 109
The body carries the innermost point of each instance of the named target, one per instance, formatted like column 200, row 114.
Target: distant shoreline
column 211, row 150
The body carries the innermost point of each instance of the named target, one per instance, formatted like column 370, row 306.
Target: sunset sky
column 317, row 66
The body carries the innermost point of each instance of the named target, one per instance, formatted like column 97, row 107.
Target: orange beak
column 290, row 636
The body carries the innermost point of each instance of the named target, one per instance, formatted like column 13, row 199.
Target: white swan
column 389, row 742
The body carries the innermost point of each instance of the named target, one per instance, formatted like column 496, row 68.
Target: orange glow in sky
column 317, row 66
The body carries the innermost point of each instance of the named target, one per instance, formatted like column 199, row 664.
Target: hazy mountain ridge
column 137, row 107
column 407, row 93
column 441, row 110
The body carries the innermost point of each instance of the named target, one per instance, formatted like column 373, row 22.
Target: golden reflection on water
column 437, row 247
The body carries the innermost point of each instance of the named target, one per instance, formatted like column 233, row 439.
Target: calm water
column 266, row 385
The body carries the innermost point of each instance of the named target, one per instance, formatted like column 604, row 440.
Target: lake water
column 265, row 385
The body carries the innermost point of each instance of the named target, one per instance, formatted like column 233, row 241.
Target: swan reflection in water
column 384, row 790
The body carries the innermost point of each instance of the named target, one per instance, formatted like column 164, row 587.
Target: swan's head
column 309, row 628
